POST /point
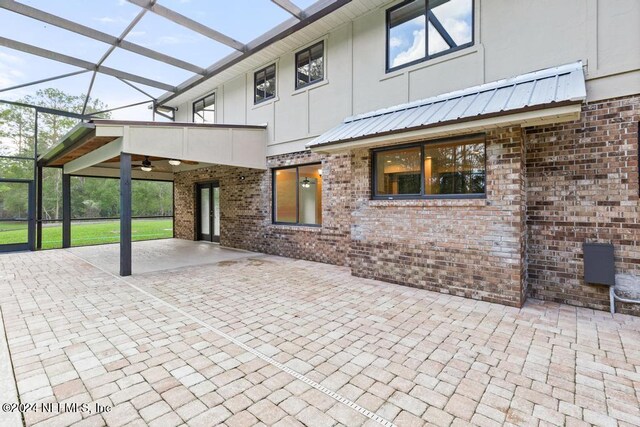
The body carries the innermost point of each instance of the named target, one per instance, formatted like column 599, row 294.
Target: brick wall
column 472, row 248
column 467, row 247
column 245, row 209
column 549, row 189
column 582, row 185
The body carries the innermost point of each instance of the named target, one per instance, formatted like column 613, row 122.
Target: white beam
column 291, row 8
column 57, row 21
column 48, row 79
column 102, row 154
column 189, row 23
column 55, row 56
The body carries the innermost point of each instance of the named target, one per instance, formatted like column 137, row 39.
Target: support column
column 66, row 210
column 31, row 238
column 125, row 214
column 35, row 200
column 38, row 207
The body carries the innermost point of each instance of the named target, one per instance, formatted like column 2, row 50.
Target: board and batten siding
column 511, row 38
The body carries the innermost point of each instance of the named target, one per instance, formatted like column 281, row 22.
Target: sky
column 242, row 20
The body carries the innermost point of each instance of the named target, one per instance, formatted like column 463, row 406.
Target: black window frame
column 308, row 50
column 273, row 195
column 255, row 83
column 203, row 99
column 422, row 196
column 426, row 57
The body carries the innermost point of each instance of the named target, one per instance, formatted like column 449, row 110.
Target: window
column 310, row 65
column 297, row 195
column 450, row 168
column 204, row 110
column 265, row 84
column 418, row 30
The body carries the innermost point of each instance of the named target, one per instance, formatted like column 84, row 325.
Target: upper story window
column 310, row 65
column 264, row 83
column 297, row 195
column 452, row 168
column 418, row 30
column 204, row 110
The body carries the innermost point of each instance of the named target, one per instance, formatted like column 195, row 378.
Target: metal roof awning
column 94, row 148
column 542, row 97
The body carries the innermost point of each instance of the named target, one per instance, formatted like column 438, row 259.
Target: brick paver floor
column 277, row 341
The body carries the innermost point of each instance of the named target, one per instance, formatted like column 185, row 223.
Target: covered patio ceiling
column 147, row 83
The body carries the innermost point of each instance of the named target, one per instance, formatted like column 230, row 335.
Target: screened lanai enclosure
column 88, row 147
column 43, row 208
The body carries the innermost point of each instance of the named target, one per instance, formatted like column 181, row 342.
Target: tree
column 90, row 197
column 17, row 132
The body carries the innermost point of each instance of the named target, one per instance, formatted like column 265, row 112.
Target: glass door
column 16, row 215
column 208, row 213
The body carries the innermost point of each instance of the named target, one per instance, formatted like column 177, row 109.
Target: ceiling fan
column 146, row 162
column 146, row 165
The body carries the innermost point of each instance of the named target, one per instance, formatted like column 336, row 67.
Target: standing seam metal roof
column 548, row 87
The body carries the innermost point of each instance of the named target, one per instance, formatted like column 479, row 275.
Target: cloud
column 10, row 69
column 395, row 42
column 455, row 16
column 172, row 40
column 110, row 20
column 416, row 51
column 137, row 33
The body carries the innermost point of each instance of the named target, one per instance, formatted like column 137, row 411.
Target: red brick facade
column 245, row 208
column 466, row 247
column 549, row 189
column 470, row 247
column 582, row 185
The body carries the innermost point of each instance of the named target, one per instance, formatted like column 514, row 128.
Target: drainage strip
column 251, row 350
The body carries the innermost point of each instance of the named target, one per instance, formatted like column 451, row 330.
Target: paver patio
column 277, row 341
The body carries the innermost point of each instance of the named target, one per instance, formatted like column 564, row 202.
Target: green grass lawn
column 83, row 234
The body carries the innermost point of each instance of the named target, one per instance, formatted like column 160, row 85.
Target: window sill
column 310, row 87
column 293, row 227
column 265, row 103
column 430, row 62
column 430, row 203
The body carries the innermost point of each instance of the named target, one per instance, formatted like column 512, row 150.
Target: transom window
column 297, row 195
column 418, row 30
column 204, row 110
column 265, row 84
column 433, row 169
column 310, row 65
